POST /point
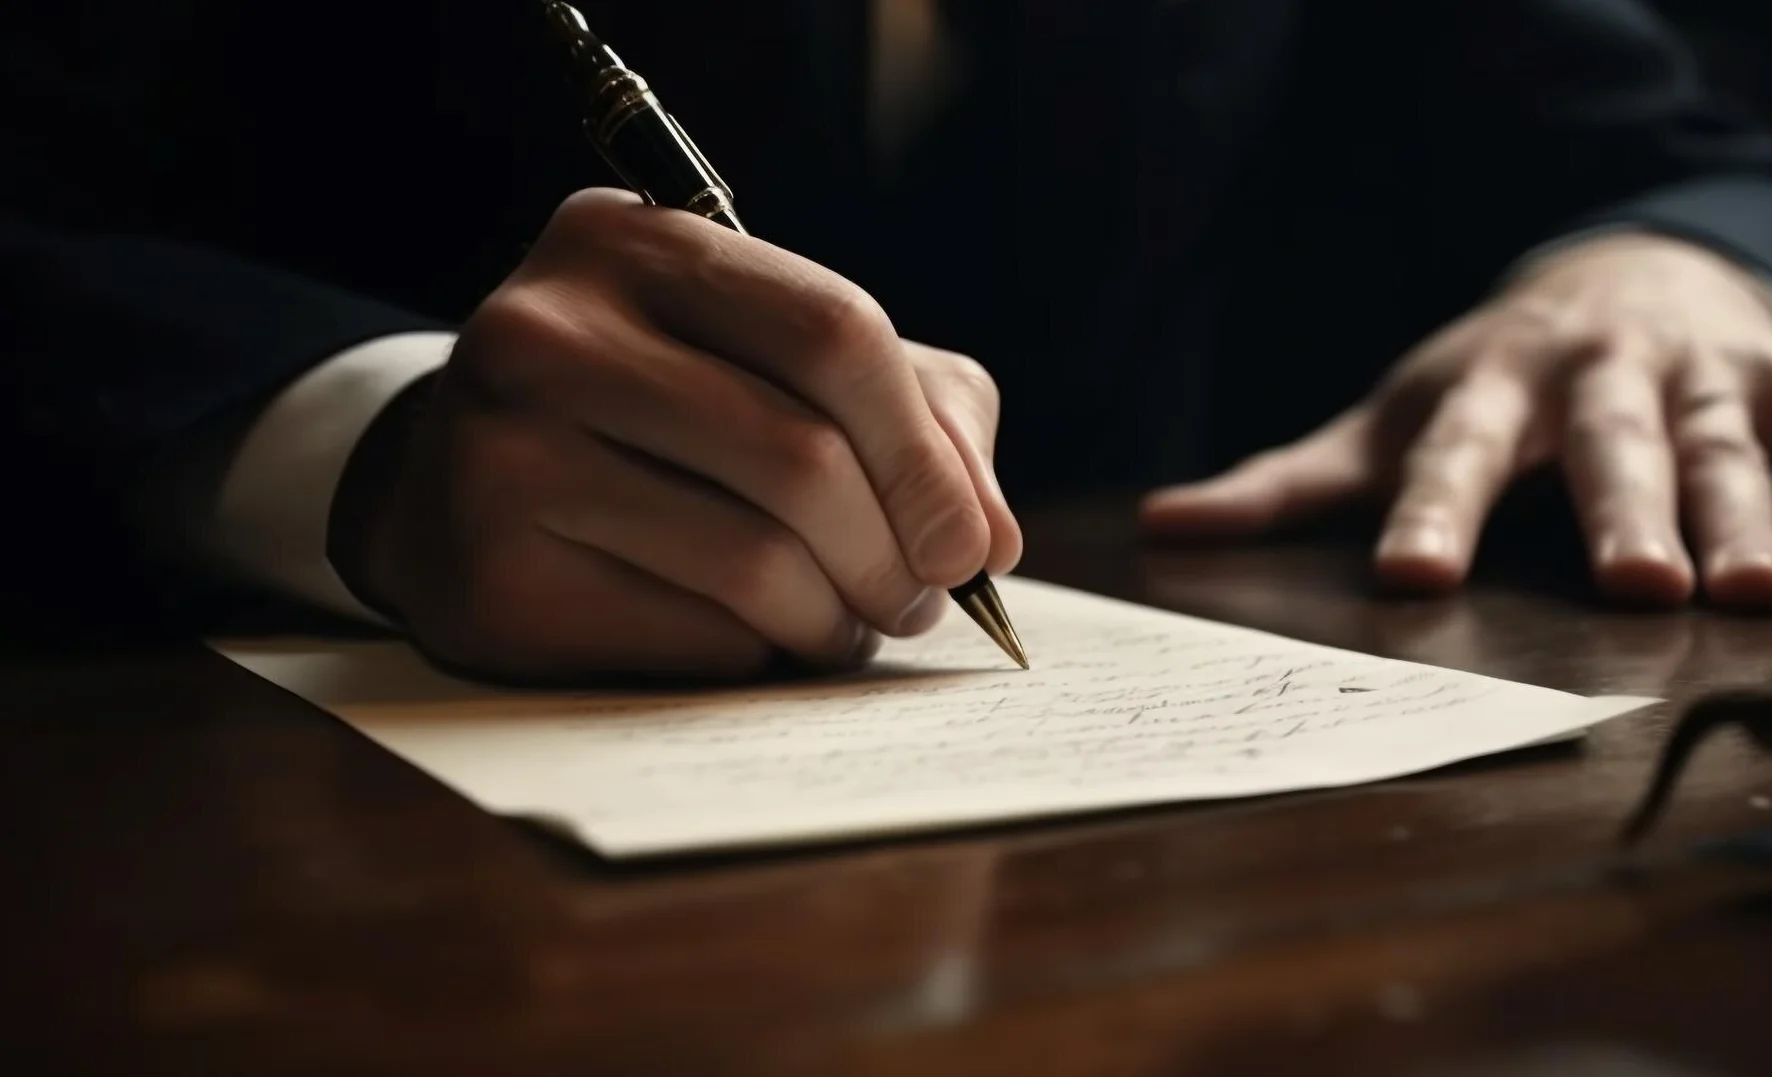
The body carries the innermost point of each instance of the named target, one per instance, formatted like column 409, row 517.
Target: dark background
column 1736, row 39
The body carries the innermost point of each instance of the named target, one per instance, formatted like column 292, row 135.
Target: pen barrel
column 650, row 150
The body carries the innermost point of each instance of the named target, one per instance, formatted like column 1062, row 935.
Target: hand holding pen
column 662, row 446
column 656, row 158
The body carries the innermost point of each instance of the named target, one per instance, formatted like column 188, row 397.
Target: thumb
column 1330, row 467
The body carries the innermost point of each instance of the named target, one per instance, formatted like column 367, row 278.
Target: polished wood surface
column 209, row 877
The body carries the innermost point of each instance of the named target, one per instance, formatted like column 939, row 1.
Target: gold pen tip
column 1015, row 649
column 985, row 608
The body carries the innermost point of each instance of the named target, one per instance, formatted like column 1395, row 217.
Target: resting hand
column 1641, row 365
column 664, row 447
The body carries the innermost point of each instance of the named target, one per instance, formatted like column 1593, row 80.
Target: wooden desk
column 208, row 877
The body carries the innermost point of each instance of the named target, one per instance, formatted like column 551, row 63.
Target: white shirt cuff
column 266, row 523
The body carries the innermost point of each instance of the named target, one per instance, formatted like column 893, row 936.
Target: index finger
column 826, row 341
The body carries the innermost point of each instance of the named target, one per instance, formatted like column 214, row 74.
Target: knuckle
column 1515, row 326
column 673, row 243
column 758, row 571
column 591, row 213
column 1582, row 340
column 534, row 342
column 583, row 230
column 600, row 231
column 975, row 380
column 1535, row 313
column 1457, row 432
column 514, row 337
column 1476, row 459
column 811, row 457
column 1616, row 425
column 913, row 478
column 845, row 323
column 533, row 314
column 1719, row 449
column 1701, row 410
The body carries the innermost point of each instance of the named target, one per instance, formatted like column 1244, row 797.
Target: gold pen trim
column 635, row 98
column 708, row 202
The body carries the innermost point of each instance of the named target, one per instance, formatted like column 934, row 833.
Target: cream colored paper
column 1125, row 705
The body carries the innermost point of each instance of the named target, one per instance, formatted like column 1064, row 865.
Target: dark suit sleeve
column 124, row 326
column 117, row 342
column 1540, row 118
column 115, row 348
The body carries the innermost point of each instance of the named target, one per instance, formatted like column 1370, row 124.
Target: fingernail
column 944, row 542
column 1748, row 558
column 921, row 615
column 1640, row 568
column 1742, row 561
column 866, row 645
column 906, row 622
column 1418, row 541
column 927, row 612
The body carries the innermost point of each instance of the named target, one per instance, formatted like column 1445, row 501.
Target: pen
column 658, row 160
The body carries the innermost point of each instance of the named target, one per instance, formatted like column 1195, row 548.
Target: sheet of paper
column 1125, row 705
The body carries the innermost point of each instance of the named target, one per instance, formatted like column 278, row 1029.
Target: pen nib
column 984, row 606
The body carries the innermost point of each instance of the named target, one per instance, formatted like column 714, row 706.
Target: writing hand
column 662, row 446
column 1641, row 365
